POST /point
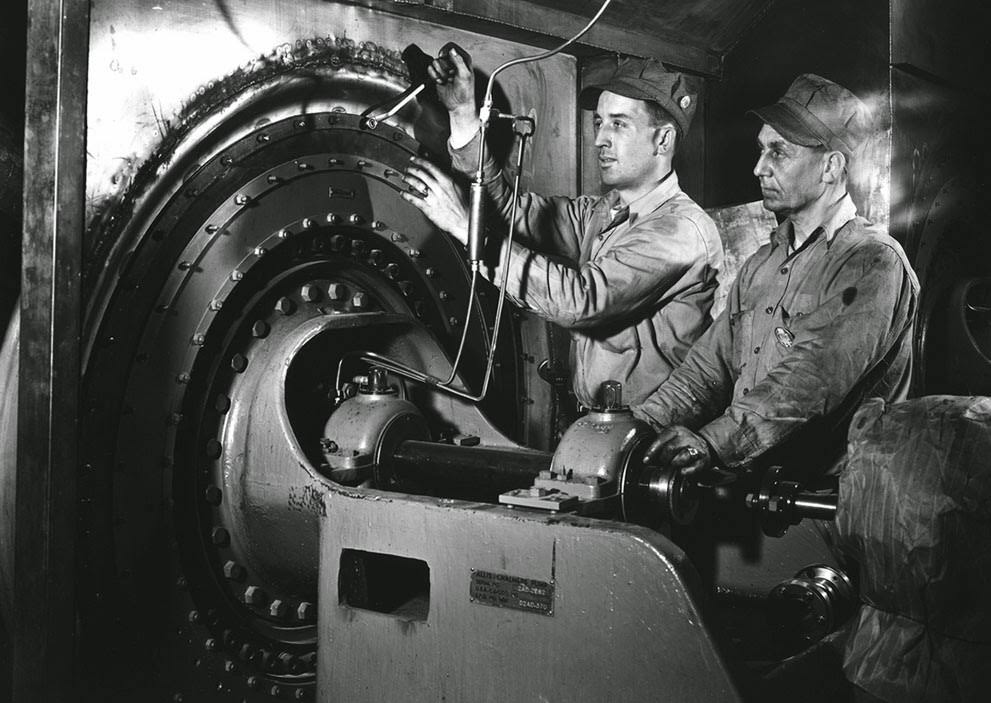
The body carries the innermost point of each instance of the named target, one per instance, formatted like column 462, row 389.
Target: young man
column 632, row 274
column 817, row 319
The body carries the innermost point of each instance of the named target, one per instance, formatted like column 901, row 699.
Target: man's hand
column 680, row 448
column 438, row 197
column 456, row 90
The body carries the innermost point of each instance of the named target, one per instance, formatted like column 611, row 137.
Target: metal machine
column 219, row 497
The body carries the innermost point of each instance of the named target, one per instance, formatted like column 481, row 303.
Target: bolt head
column 220, row 537
column 278, row 608
column 254, row 595
column 359, row 299
column 310, row 293
column 234, row 571
column 286, row 306
column 337, row 291
column 306, row 611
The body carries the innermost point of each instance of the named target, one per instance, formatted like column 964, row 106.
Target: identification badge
column 784, row 336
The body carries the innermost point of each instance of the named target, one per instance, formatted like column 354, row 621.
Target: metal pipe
column 497, row 468
column 816, row 506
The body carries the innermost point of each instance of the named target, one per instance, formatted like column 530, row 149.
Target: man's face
column 626, row 142
column 790, row 175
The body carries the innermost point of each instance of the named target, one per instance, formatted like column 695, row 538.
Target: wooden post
column 43, row 631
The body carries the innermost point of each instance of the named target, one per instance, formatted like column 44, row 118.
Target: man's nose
column 601, row 137
column 761, row 168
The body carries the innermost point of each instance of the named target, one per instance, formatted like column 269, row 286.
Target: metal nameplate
column 516, row 592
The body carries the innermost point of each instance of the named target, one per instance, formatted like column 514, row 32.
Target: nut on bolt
column 254, row 595
column 234, row 571
column 306, row 611
column 278, row 608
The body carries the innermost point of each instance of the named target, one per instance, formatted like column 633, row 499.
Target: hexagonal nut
column 359, row 299
column 278, row 608
column 306, row 611
column 310, row 293
column 255, row 595
column 285, row 305
column 337, row 291
column 234, row 571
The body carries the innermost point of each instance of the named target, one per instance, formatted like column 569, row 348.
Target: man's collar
column 665, row 189
column 838, row 215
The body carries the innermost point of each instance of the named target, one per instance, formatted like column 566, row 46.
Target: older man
column 631, row 274
column 817, row 319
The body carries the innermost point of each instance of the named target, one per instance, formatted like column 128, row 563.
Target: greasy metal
column 43, row 619
column 655, row 496
column 362, row 431
column 780, row 504
column 484, row 469
column 624, row 624
column 600, row 444
column 823, row 598
column 253, row 234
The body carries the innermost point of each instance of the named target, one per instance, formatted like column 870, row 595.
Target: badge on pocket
column 785, row 337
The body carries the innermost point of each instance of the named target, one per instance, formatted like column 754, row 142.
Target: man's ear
column 834, row 167
column 665, row 139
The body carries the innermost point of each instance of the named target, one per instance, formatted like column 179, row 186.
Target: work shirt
column 805, row 337
column 633, row 284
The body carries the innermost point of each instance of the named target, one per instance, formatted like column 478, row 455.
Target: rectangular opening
column 384, row 583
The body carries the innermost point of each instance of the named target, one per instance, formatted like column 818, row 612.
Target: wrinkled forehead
column 612, row 104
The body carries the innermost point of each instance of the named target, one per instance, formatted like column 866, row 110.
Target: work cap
column 817, row 112
column 643, row 79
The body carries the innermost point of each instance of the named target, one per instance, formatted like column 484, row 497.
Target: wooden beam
column 43, row 630
column 532, row 23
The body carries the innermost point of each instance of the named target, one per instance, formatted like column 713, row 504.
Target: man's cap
column 643, row 79
column 817, row 112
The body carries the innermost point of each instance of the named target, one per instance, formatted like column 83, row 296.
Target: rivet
column 302, row 166
column 260, row 329
column 397, row 237
column 443, row 295
column 230, row 667
column 262, row 138
column 357, row 247
column 300, row 694
column 216, row 304
column 332, row 161
column 214, row 448
column 212, row 229
column 278, row 608
column 413, row 253
column 239, row 362
column 333, row 218
column 375, row 257
column 337, row 242
column 193, row 617
column 284, row 234
column 182, row 378
column 453, row 321
column 337, row 291
column 272, row 179
column 253, row 682
column 308, row 223
column 234, row 571
column 227, row 160
column 275, row 691
column 220, row 537
column 359, row 299
column 254, row 595
column 185, row 265
column 245, row 654
column 355, row 219
column 431, row 272
column 285, row 305
column 178, row 698
column 222, row 404
column 211, row 644
column 310, row 293
column 241, row 199
column 305, row 611
column 212, row 495
column 236, row 275
column 389, row 173
column 361, row 163
column 392, row 271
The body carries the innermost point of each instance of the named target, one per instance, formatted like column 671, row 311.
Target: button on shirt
column 633, row 284
column 805, row 336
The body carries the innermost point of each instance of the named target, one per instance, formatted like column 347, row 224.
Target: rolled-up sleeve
column 866, row 311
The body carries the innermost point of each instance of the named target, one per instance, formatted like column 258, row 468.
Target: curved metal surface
column 270, row 246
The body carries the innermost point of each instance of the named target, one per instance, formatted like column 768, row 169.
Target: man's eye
column 596, row 123
column 618, row 125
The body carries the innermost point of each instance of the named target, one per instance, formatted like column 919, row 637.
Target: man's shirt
column 806, row 335
column 633, row 284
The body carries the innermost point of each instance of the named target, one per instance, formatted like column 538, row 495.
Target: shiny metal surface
column 600, row 444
